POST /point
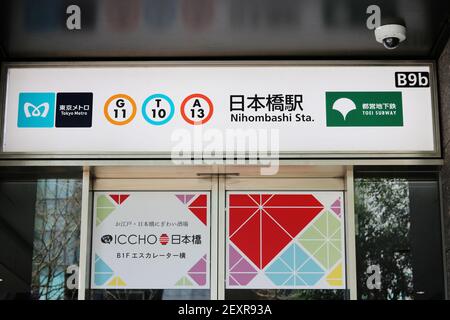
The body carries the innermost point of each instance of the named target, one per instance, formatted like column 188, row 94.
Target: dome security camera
column 390, row 35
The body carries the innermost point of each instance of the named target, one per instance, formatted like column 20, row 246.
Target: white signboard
column 151, row 240
column 155, row 109
column 285, row 240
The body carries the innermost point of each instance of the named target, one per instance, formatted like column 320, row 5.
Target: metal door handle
column 420, row 293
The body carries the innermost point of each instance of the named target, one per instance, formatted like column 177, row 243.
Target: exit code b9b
column 412, row 79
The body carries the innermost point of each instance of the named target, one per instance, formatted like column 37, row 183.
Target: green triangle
column 321, row 223
column 335, row 235
column 184, row 281
column 337, row 243
column 333, row 223
column 333, row 255
column 311, row 245
column 321, row 256
column 103, row 202
column 311, row 233
column 325, row 226
column 102, row 213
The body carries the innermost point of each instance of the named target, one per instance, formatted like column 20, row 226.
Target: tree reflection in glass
column 382, row 238
column 56, row 238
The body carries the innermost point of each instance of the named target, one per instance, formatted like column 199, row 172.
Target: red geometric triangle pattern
column 199, row 208
column 119, row 198
column 261, row 225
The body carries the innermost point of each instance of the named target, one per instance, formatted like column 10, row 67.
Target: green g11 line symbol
column 364, row 109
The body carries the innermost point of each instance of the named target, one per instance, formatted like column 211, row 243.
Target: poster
column 285, row 240
column 151, row 240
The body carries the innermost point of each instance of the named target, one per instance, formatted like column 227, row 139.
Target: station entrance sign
column 339, row 111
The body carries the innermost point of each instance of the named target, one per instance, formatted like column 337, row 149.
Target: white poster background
column 153, row 273
column 218, row 83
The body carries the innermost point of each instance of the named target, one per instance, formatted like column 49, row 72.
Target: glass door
column 219, row 237
column 284, row 239
column 153, row 240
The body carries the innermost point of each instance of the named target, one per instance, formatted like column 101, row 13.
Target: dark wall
column 444, row 100
column 159, row 29
column 18, row 201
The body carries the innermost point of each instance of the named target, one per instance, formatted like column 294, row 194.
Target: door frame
column 217, row 185
column 206, row 184
column 344, row 184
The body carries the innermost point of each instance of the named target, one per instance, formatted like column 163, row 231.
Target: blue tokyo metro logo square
column 36, row 110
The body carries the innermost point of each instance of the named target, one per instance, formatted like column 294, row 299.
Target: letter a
column 197, row 103
column 73, row 21
column 374, row 279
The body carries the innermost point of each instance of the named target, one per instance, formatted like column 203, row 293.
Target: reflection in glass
column 382, row 207
column 151, row 294
column 281, row 294
column 56, row 238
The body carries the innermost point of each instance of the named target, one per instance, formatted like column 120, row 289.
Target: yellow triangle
column 335, row 283
column 120, row 282
column 117, row 282
column 334, row 278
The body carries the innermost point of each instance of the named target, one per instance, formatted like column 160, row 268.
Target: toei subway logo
column 151, row 239
column 364, row 109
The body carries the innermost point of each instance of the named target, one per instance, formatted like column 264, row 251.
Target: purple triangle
column 336, row 206
column 234, row 256
column 337, row 203
column 232, row 282
column 200, row 278
column 181, row 197
column 336, row 210
column 244, row 278
column 243, row 266
column 189, row 197
column 200, row 266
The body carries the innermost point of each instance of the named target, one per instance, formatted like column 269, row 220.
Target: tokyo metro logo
column 36, row 110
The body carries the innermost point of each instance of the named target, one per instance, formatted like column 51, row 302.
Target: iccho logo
column 137, row 239
column 364, row 109
column 107, row 238
column 36, row 110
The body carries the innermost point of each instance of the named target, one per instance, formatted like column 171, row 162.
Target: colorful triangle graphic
column 200, row 201
column 199, row 208
column 334, row 278
column 261, row 225
column 103, row 209
column 184, row 281
column 119, row 198
column 117, row 282
column 201, row 214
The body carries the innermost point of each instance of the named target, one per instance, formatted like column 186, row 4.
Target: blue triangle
column 278, row 278
column 311, row 278
column 101, row 278
column 300, row 256
column 299, row 281
column 101, row 266
column 310, row 266
column 279, row 266
column 288, row 256
column 290, row 281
